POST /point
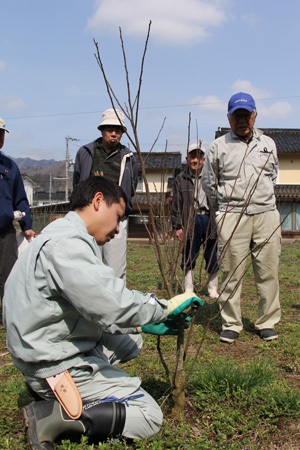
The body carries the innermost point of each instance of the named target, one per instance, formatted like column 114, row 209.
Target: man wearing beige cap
column 107, row 157
column 12, row 198
column 193, row 221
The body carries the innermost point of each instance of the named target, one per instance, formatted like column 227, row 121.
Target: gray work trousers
column 97, row 377
column 114, row 252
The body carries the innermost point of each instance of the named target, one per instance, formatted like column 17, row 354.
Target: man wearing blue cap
column 239, row 176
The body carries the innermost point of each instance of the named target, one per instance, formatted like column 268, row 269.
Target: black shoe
column 228, row 336
column 268, row 334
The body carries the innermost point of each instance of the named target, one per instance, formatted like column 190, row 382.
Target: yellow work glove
column 177, row 304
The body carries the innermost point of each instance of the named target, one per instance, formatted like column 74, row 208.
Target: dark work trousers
column 191, row 251
column 8, row 256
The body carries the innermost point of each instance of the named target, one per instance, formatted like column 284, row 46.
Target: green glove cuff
column 167, row 328
column 159, row 329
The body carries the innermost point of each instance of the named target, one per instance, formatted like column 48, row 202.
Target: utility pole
column 68, row 138
column 50, row 188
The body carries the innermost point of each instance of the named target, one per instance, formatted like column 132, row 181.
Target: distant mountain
column 45, row 172
column 28, row 162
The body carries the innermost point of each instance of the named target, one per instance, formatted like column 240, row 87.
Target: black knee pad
column 103, row 419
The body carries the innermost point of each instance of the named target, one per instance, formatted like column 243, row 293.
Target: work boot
column 188, row 282
column 46, row 422
column 213, row 286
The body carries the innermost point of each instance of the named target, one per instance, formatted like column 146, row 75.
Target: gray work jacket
column 239, row 176
column 60, row 297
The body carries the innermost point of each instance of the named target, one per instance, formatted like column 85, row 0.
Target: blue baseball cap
column 241, row 101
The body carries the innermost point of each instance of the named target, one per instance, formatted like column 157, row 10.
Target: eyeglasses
column 240, row 114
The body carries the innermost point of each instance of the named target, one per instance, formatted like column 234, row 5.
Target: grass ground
column 240, row 396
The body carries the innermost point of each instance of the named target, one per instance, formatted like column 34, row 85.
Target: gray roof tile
column 287, row 139
column 161, row 160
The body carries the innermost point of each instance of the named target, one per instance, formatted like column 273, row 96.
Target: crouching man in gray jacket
column 69, row 321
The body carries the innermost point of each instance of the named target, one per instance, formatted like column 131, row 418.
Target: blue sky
column 199, row 54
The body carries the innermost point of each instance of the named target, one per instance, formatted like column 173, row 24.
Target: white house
column 29, row 186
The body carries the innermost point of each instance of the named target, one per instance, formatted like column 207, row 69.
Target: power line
column 61, row 151
column 144, row 108
column 52, row 115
